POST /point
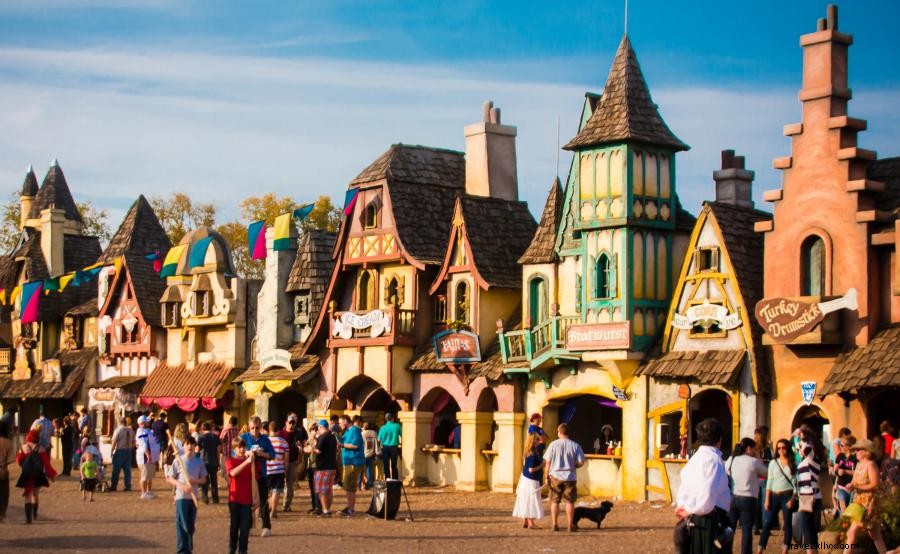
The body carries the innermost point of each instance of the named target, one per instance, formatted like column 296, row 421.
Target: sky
column 229, row 99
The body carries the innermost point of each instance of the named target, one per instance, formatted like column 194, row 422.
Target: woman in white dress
column 528, row 493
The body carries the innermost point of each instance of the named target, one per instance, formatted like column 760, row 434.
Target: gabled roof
column 422, row 215
column 876, row 364
column 887, row 171
column 148, row 287
column 542, row 249
column 626, row 111
column 312, row 268
column 55, row 191
column 498, row 232
column 73, row 366
column 140, row 233
column 29, row 186
column 423, row 165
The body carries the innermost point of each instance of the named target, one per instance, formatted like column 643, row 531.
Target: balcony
column 388, row 327
column 539, row 344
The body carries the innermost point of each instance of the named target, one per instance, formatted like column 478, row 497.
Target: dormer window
column 706, row 259
column 463, row 303
column 171, row 307
column 202, row 303
column 301, row 308
column 371, row 216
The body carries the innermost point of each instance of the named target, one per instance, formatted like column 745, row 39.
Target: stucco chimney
column 491, row 157
column 53, row 223
column 825, row 67
column 734, row 183
column 274, row 311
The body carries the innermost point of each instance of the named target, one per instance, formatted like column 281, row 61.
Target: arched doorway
column 285, row 402
column 883, row 407
column 814, row 417
column 366, row 394
column 717, row 405
column 444, row 407
column 587, row 415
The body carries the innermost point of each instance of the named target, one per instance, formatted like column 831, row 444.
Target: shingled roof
column 29, row 186
column 73, row 366
column 888, row 172
column 876, row 364
column 55, row 191
column 498, row 232
column 312, row 268
column 542, row 248
column 626, row 111
column 707, row 367
column 490, row 367
column 423, row 216
column 148, row 287
column 423, row 165
column 140, row 232
column 302, row 368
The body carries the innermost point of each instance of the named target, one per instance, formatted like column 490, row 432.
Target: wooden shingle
column 542, row 248
column 876, row 364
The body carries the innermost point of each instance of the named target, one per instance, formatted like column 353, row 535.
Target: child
column 185, row 475
column 89, row 471
column 240, row 495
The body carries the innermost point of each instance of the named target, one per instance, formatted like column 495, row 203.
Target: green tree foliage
column 96, row 222
column 325, row 216
column 178, row 215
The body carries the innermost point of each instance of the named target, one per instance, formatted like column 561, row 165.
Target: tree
column 325, row 216
column 95, row 222
column 178, row 215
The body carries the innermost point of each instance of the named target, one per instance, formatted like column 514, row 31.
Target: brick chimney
column 734, row 184
column 491, row 157
column 274, row 311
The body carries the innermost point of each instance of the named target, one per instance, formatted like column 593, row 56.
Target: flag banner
column 86, row 274
column 350, row 200
column 14, row 295
column 303, row 212
column 64, row 280
column 51, row 284
column 31, row 297
column 256, row 240
column 282, row 240
column 198, row 252
column 3, row 296
column 170, row 265
column 156, row 258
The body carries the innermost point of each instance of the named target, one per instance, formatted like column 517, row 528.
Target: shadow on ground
column 79, row 542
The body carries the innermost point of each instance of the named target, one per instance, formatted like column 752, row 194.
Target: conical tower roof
column 55, row 192
column 140, row 233
column 542, row 248
column 626, row 111
column 29, row 186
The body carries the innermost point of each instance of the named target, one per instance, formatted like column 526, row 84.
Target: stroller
column 102, row 483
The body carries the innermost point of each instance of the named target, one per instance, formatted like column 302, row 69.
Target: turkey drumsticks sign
column 785, row 319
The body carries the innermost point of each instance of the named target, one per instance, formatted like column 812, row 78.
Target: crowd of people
column 759, row 483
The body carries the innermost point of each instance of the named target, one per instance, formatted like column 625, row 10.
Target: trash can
column 386, row 495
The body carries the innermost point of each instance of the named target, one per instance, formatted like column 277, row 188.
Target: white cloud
column 224, row 127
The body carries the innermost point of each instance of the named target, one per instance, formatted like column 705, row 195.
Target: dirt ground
column 443, row 521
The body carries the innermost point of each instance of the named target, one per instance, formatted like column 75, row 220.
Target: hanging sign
column 619, row 393
column 599, row 336
column 275, row 358
column 706, row 315
column 684, row 391
column 457, row 347
column 809, row 391
column 51, row 371
column 785, row 319
column 376, row 320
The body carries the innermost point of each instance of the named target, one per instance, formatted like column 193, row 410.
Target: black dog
column 594, row 514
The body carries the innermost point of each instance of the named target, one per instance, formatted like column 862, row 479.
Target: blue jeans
column 743, row 511
column 370, row 472
column 185, row 518
column 778, row 503
column 809, row 523
column 121, row 462
column 389, row 455
column 239, row 532
column 310, row 478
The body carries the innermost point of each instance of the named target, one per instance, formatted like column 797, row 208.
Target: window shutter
column 696, row 261
column 612, row 274
column 715, row 259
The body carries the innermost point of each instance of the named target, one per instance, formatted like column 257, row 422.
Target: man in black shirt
column 326, row 466
column 210, row 448
column 296, row 437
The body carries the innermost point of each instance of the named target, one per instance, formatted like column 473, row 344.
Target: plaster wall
column 569, row 269
column 548, row 273
column 495, row 304
column 401, row 378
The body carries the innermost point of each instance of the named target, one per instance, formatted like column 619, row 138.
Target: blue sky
column 227, row 99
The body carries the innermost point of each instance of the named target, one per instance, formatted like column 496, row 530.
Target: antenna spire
column 626, row 17
column 557, row 145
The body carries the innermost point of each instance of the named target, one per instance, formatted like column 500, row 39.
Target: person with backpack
column 37, row 471
column 744, row 471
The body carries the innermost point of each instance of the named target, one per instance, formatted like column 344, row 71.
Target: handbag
column 806, row 502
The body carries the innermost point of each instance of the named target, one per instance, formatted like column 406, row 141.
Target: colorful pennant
column 170, row 265
column 85, row 275
column 51, row 284
column 256, row 240
column 350, row 200
column 3, row 296
column 64, row 281
column 303, row 212
column 282, row 239
column 156, row 258
column 31, row 296
column 198, row 252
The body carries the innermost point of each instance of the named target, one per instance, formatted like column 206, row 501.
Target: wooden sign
column 706, row 315
column 457, row 347
column 599, row 336
column 684, row 391
column 619, row 394
column 785, row 319
column 275, row 358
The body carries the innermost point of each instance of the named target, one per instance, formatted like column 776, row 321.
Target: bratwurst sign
column 785, row 319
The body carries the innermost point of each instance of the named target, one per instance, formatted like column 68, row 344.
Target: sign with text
column 785, row 319
column 706, row 315
column 457, row 347
column 619, row 393
column 599, row 336
column 376, row 320
column 275, row 358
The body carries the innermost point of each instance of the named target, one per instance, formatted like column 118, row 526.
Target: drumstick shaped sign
column 785, row 319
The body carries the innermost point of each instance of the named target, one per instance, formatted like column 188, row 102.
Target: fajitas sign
column 785, row 319
column 457, row 347
column 599, row 336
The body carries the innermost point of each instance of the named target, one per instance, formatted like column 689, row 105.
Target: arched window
column 393, row 292
column 371, row 216
column 539, row 301
column 605, row 277
column 462, row 302
column 812, row 266
column 365, row 291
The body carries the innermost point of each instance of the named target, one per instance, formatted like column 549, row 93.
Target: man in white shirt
column 704, row 497
column 147, row 456
column 561, row 459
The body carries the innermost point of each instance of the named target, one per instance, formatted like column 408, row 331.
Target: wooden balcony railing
column 527, row 344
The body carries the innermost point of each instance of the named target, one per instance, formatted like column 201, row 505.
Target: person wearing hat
column 865, row 486
column 535, row 424
column 147, row 456
column 326, row 466
column 37, row 471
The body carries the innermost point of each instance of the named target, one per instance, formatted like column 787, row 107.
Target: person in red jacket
column 241, row 494
column 37, row 471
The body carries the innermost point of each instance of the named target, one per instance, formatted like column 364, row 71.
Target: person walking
column 745, row 470
column 866, row 486
column 240, row 495
column 122, row 444
column 370, row 439
column 353, row 458
column 781, row 482
column 703, row 497
column 46, row 430
column 296, row 437
column 261, row 447
column 160, row 429
column 389, row 437
column 210, row 448
column 147, row 456
column 68, row 436
column 844, row 465
column 185, row 476
column 528, row 492
column 90, row 470
column 326, row 467
column 310, row 451
column 6, row 459
column 561, row 459
column 766, row 453
column 812, row 458
column 37, row 470
column 227, row 436
column 276, row 467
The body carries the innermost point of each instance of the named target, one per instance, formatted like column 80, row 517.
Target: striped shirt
column 808, row 473
column 276, row 464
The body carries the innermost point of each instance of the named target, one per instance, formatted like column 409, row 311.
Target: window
column 462, row 302
column 605, row 277
column 171, row 314
column 539, row 301
column 371, row 216
column 669, row 435
column 202, row 300
column 459, row 250
column 129, row 337
column 812, row 266
column 301, row 308
column 365, row 291
column 706, row 259
column 393, row 292
column 440, row 308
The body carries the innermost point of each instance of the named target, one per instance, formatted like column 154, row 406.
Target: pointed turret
column 55, row 192
column 140, row 233
column 542, row 248
column 26, row 199
column 30, row 185
column 626, row 111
